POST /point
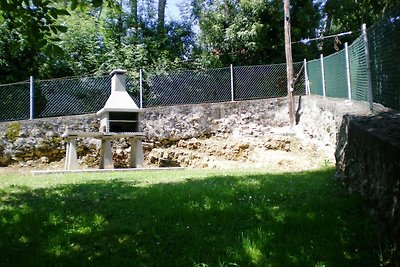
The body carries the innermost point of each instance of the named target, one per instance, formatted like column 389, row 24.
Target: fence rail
column 371, row 61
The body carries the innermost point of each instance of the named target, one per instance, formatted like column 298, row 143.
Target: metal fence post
column 323, row 76
column 141, row 88
column 232, row 85
column 31, row 98
column 306, row 81
column 366, row 51
column 346, row 54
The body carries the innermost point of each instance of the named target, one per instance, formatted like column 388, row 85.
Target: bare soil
column 275, row 153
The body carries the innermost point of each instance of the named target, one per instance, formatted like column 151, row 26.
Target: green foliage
column 349, row 15
column 12, row 131
column 18, row 59
column 183, row 218
column 82, row 38
column 251, row 32
column 37, row 21
column 49, row 39
column 82, row 47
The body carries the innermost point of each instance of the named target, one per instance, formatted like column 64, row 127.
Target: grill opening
column 124, row 122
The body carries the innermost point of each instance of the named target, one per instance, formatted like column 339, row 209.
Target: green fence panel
column 358, row 70
column 335, row 75
column 384, row 47
column 315, row 76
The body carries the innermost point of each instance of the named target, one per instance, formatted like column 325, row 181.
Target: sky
column 172, row 10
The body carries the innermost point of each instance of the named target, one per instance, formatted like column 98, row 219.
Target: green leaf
column 53, row 29
column 74, row 4
column 97, row 3
column 53, row 13
column 54, row 39
column 82, row 6
column 41, row 43
column 61, row 28
column 53, row 49
column 62, row 12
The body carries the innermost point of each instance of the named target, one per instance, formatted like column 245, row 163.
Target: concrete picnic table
column 136, row 158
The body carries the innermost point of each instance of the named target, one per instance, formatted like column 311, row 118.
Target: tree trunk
column 134, row 12
column 134, row 17
column 289, row 63
column 161, row 14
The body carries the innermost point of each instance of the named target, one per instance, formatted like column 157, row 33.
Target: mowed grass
column 183, row 218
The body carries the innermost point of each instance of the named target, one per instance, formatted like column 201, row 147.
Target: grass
column 182, row 218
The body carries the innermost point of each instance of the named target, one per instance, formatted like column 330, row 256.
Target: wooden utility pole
column 289, row 63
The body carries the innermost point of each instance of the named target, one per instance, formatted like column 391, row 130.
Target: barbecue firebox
column 120, row 113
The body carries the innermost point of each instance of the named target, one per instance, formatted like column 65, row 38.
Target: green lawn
column 182, row 218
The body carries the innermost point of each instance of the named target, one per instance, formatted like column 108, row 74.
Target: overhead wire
column 336, row 36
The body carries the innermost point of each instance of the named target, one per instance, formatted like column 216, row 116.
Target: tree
column 88, row 39
column 349, row 15
column 17, row 58
column 161, row 14
column 84, row 47
column 245, row 32
column 30, row 32
column 133, row 21
column 36, row 20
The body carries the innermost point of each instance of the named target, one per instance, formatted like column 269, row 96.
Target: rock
column 148, row 146
column 44, row 160
column 50, row 134
column 193, row 144
column 119, row 152
column 182, row 143
column 244, row 146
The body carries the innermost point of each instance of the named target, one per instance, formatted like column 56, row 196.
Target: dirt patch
column 274, row 152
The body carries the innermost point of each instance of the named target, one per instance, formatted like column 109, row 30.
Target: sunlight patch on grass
column 252, row 250
column 253, row 246
column 182, row 218
column 277, row 213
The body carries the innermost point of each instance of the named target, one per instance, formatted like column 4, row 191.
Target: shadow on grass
column 300, row 219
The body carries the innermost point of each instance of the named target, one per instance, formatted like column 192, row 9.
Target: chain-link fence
column 315, row 76
column 358, row 70
column 266, row 81
column 335, row 75
column 384, row 47
column 188, row 87
column 73, row 96
column 14, row 101
column 382, row 43
column 329, row 77
column 343, row 74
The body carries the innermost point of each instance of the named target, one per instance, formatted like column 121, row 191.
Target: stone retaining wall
column 368, row 163
column 318, row 118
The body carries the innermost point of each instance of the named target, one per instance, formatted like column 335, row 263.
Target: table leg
column 71, row 159
column 106, row 154
column 136, row 158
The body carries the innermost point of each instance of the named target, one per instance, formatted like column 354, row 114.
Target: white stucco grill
column 119, row 118
column 120, row 113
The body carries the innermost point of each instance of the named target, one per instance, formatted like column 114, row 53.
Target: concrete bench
column 136, row 158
